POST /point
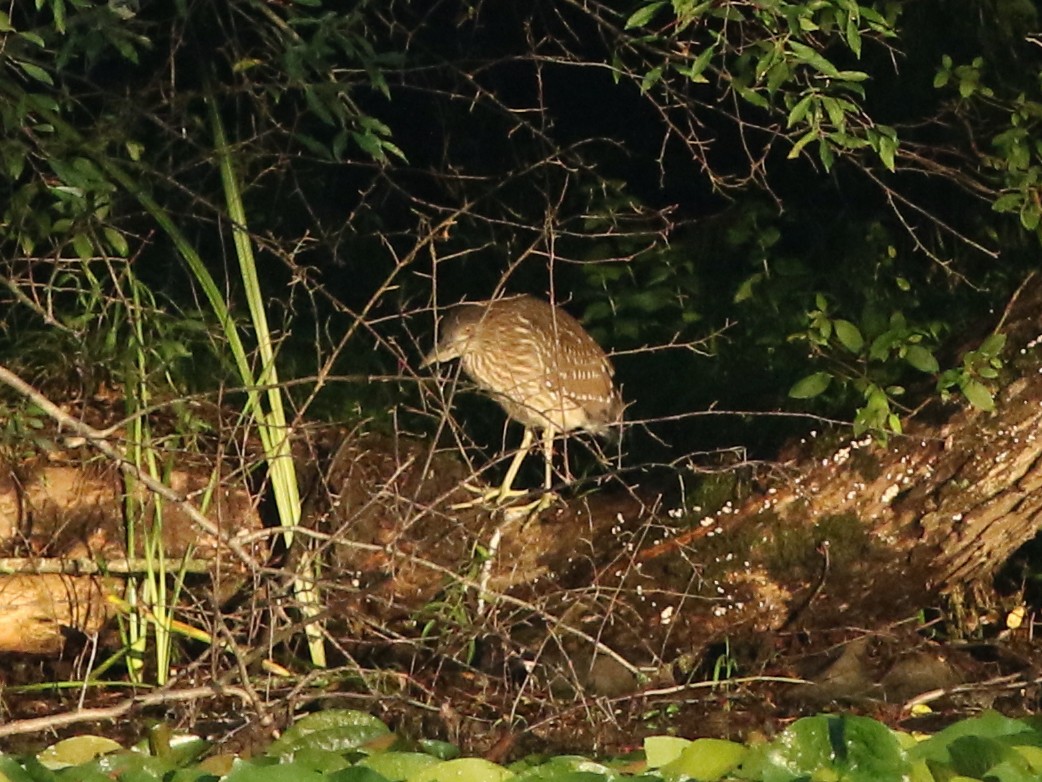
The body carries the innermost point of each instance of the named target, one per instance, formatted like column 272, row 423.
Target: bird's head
column 458, row 334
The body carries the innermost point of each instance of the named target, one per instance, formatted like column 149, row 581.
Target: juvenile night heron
column 539, row 364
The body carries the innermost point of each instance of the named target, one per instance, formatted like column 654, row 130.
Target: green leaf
column 706, row 760
column 642, row 16
column 463, row 770
column 660, row 750
column 701, row 62
column 651, row 78
column 887, row 152
column 799, row 111
column 335, row 729
column 978, row 395
column 35, row 72
column 399, row 766
column 853, row 76
column 752, row 97
column 116, row 241
column 807, row 137
column 1008, row 202
column 83, row 246
column 813, row 58
column 993, row 344
column 810, row 386
column 76, row 751
column 921, row 358
column 258, row 771
column 442, row 750
column 849, row 335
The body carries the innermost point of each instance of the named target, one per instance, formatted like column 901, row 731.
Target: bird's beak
column 431, row 358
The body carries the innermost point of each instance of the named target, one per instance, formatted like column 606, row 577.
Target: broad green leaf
column 35, row 71
column 660, row 750
column 887, row 152
column 442, row 750
column 76, row 751
column 706, row 760
column 355, row 774
column 922, row 359
column 1032, row 755
column 116, row 241
column 855, row 749
column 978, row 395
column 81, row 243
column 335, row 729
column 810, row 386
column 1008, row 202
column 849, row 335
column 398, row 766
column 463, row 770
column 993, row 344
column 260, row 771
column 990, row 724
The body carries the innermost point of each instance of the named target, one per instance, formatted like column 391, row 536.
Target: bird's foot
column 500, row 497
column 486, row 495
column 529, row 511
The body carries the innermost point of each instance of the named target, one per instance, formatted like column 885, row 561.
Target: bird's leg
column 515, row 465
column 503, row 492
column 547, row 498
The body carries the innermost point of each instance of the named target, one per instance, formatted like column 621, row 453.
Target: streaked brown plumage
column 538, row 362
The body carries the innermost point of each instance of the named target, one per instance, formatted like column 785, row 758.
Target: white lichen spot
column 891, row 492
column 956, row 517
column 667, row 615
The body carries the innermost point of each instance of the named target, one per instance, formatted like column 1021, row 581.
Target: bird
column 541, row 366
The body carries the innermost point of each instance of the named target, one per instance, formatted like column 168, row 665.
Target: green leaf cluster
column 871, row 357
column 784, row 63
column 351, row 746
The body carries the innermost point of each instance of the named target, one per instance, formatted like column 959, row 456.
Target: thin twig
column 98, row 440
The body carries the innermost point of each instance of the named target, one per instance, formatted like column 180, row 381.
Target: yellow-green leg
column 505, row 490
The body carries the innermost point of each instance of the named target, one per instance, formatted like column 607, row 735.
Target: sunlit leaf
column 642, row 16
column 398, row 766
column 76, row 750
column 335, row 729
column 921, row 358
column 978, row 395
column 463, row 770
column 705, row 759
column 35, row 71
column 993, row 344
column 660, row 750
column 810, row 386
column 849, row 335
